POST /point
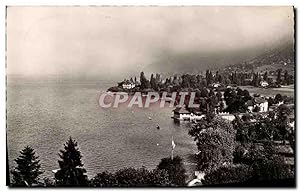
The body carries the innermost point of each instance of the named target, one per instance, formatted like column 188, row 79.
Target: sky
column 118, row 41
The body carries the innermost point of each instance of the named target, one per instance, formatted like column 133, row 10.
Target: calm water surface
column 45, row 113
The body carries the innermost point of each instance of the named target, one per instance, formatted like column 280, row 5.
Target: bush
column 131, row 177
column 273, row 168
column 175, row 170
column 228, row 174
column 104, row 179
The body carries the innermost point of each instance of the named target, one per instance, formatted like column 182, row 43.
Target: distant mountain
column 279, row 57
column 170, row 63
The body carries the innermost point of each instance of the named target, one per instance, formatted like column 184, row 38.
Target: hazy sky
column 113, row 41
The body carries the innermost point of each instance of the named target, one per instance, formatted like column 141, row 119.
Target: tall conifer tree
column 71, row 172
column 27, row 170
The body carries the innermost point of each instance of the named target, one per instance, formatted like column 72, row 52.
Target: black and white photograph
column 150, row 96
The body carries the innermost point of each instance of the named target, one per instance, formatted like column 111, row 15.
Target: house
column 180, row 113
column 126, row 84
column 250, row 105
column 196, row 116
column 216, row 85
column 261, row 103
column 258, row 104
column 227, row 116
column 264, row 84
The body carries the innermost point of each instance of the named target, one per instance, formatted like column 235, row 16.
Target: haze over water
column 114, row 42
column 44, row 113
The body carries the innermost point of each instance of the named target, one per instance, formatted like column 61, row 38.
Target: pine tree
column 144, row 81
column 71, row 172
column 278, row 80
column 28, row 168
column 153, row 82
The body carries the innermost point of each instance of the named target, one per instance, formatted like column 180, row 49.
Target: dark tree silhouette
column 266, row 76
column 228, row 174
column 144, row 82
column 153, row 83
column 278, row 80
column 175, row 170
column 71, row 172
column 278, row 98
column 28, row 169
column 271, row 168
column 104, row 179
column 131, row 177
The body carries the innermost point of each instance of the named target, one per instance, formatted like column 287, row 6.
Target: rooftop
column 181, row 110
column 259, row 100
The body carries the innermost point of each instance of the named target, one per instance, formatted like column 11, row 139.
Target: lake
column 44, row 113
column 271, row 92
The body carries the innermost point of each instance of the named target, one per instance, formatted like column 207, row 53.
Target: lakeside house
column 196, row 116
column 264, row 84
column 226, row 116
column 182, row 114
column 216, row 85
column 126, row 84
column 259, row 103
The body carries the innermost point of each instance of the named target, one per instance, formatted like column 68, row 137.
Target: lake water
column 44, row 113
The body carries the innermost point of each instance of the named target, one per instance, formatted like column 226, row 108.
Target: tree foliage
column 236, row 99
column 215, row 141
column 71, row 172
column 228, row 174
column 27, row 171
column 144, row 82
column 175, row 170
column 131, row 177
column 272, row 168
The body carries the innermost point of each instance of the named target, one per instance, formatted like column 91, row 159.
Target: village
column 259, row 118
column 215, row 93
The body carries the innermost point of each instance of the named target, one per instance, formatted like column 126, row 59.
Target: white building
column 259, row 103
column 227, row 116
column 196, row 116
column 216, row 85
column 264, row 84
column 126, row 84
column 180, row 113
